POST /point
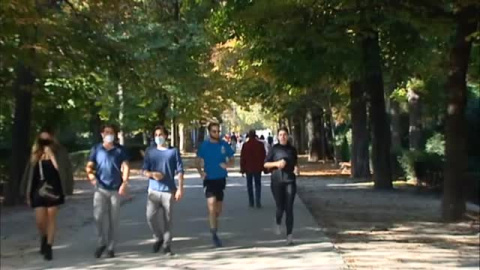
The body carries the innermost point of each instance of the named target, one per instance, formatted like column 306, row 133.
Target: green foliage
column 436, row 145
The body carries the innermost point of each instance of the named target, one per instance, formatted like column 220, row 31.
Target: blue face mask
column 159, row 140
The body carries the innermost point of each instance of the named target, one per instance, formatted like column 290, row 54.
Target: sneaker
column 259, row 205
column 99, row 251
column 289, row 240
column 111, row 254
column 216, row 241
column 167, row 251
column 276, row 228
column 157, row 245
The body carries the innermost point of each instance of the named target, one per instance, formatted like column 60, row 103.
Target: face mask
column 108, row 138
column 159, row 140
column 44, row 142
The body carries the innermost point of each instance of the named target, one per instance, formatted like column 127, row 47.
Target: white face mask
column 108, row 138
column 159, row 140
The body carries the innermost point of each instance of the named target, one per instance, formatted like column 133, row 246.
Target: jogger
column 282, row 159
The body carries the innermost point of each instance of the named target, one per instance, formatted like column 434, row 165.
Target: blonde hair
column 38, row 150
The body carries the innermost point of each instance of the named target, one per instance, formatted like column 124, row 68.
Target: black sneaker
column 99, row 251
column 110, row 254
column 167, row 251
column 157, row 245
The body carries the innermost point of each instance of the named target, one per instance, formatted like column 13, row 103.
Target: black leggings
column 284, row 195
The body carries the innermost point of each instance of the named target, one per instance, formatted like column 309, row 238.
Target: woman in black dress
column 282, row 162
column 45, row 183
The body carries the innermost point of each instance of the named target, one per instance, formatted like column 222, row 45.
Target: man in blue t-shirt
column 108, row 170
column 160, row 166
column 213, row 158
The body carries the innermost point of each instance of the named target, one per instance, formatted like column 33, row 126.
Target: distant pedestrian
column 251, row 162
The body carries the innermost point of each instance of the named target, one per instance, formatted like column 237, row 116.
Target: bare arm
column 199, row 164
column 125, row 172
column 51, row 156
column 275, row 164
column 90, row 169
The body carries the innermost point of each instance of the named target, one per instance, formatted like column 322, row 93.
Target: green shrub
column 436, row 145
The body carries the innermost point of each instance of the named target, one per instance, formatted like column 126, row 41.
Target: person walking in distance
column 108, row 170
column 213, row 158
column 282, row 160
column 251, row 162
column 45, row 183
column 160, row 166
column 233, row 142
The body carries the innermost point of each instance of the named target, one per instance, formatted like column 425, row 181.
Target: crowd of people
column 48, row 178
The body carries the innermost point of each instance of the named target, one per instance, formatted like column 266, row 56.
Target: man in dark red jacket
column 251, row 162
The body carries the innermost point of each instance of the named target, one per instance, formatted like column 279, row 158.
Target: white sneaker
column 276, row 228
column 289, row 240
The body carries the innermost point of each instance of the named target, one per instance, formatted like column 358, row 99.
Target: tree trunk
column 201, row 135
column 163, row 107
column 95, row 125
column 304, row 132
column 297, row 133
column 316, row 150
column 415, row 120
column 381, row 135
column 335, row 150
column 360, row 157
column 181, row 135
column 188, row 142
column 20, row 132
column 453, row 204
column 121, row 111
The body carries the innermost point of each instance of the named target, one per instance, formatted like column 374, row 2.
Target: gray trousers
column 106, row 206
column 159, row 215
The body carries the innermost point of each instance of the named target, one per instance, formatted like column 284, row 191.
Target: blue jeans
column 258, row 187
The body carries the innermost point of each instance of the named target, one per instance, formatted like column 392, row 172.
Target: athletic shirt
column 213, row 154
column 289, row 154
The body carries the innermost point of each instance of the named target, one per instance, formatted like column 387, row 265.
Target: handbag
column 46, row 191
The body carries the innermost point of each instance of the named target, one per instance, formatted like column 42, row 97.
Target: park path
column 249, row 242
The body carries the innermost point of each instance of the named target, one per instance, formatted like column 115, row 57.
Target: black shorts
column 214, row 188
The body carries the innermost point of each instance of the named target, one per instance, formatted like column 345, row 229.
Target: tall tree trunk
column 303, row 126
column 335, row 150
column 316, row 132
column 163, row 107
column 182, row 136
column 360, row 157
column 20, row 132
column 121, row 114
column 396, row 124
column 95, row 125
column 188, row 144
column 297, row 133
column 415, row 120
column 201, row 135
column 381, row 135
column 453, row 204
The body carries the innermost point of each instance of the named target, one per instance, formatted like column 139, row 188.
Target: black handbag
column 46, row 191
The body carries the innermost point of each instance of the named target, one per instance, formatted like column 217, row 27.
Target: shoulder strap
column 40, row 167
